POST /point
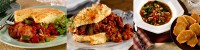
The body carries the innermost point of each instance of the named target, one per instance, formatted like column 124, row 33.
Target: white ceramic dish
column 175, row 7
column 5, row 37
column 125, row 45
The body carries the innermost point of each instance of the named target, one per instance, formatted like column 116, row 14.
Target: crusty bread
column 93, row 14
column 40, row 15
column 93, row 39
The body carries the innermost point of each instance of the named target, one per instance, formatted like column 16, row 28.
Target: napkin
column 141, row 40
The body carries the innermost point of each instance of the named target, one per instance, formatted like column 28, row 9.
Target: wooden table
column 26, row 4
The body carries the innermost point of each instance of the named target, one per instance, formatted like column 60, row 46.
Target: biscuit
column 196, row 17
column 179, row 27
column 195, row 28
column 184, row 36
column 182, row 19
column 193, row 41
column 190, row 19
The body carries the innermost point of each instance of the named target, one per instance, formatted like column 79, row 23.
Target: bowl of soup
column 156, row 16
column 155, row 13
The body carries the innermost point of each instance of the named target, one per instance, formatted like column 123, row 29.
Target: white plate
column 125, row 45
column 175, row 7
column 5, row 38
column 73, row 45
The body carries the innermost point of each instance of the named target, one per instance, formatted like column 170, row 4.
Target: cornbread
column 190, row 19
column 179, row 27
column 196, row 17
column 40, row 15
column 93, row 14
column 193, row 41
column 195, row 28
column 185, row 36
column 90, row 15
column 182, row 19
column 93, row 39
column 97, row 25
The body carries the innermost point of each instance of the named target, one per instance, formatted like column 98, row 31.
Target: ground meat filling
column 113, row 26
column 31, row 32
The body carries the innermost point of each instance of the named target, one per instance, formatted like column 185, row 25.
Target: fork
column 9, row 21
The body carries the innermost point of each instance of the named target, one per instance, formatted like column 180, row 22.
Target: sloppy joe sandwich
column 35, row 25
column 98, row 24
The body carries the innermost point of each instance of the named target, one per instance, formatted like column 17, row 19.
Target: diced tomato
column 18, row 35
column 54, row 32
column 34, row 29
column 38, row 26
column 41, row 38
column 51, row 26
column 35, row 39
column 53, row 29
column 21, row 40
column 47, row 32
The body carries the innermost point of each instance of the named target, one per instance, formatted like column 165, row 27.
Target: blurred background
column 125, row 5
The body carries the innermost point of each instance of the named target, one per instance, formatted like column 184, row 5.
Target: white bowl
column 175, row 7
column 125, row 45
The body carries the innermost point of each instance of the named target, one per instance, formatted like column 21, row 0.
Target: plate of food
column 97, row 27
column 185, row 32
column 154, row 15
column 36, row 27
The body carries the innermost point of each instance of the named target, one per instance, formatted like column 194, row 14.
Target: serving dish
column 125, row 45
column 175, row 7
column 5, row 38
column 185, row 32
column 184, row 45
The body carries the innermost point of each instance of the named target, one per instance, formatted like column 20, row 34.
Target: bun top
column 93, row 14
column 39, row 15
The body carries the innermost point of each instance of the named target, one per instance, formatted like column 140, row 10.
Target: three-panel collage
column 99, row 25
